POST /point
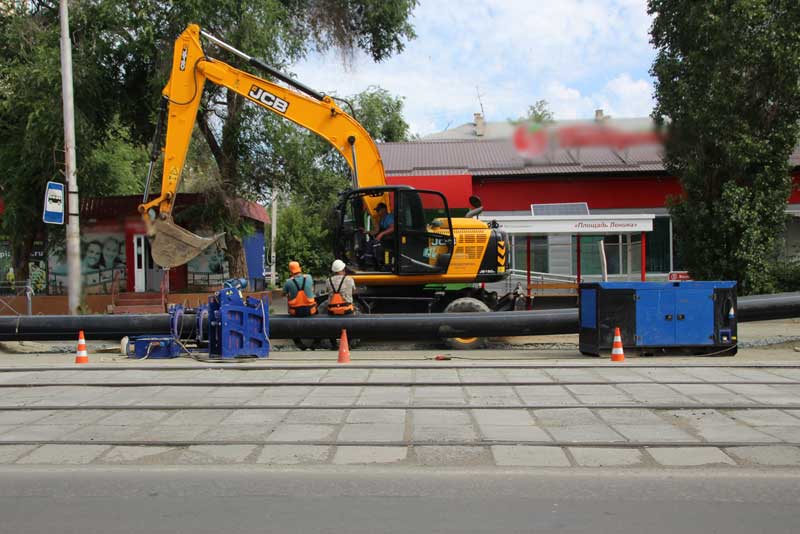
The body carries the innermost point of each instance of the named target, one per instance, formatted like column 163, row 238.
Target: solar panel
column 566, row 208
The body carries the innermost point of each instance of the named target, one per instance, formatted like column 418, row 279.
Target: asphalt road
column 198, row 500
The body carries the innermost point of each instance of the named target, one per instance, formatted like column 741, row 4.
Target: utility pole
column 273, row 237
column 73, row 204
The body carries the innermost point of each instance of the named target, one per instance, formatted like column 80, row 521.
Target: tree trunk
column 237, row 264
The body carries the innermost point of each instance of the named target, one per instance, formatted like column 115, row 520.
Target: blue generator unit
column 699, row 317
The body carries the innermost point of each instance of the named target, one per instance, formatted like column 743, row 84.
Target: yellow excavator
column 426, row 260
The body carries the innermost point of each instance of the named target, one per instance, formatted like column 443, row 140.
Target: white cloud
column 579, row 55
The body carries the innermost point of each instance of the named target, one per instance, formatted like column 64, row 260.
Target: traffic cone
column 344, row 348
column 617, row 355
column 82, row 356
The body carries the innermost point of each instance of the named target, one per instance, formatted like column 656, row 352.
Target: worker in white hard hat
column 341, row 288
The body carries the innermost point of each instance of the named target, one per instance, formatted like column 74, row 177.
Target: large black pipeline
column 385, row 327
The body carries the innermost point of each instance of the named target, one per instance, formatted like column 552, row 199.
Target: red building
column 480, row 159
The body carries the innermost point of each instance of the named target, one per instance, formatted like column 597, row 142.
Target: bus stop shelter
column 578, row 225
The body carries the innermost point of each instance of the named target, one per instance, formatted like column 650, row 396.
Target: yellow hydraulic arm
column 172, row 245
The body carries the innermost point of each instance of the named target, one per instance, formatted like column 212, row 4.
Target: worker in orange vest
column 299, row 290
column 340, row 287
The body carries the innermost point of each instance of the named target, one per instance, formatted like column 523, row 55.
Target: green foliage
column 786, row 275
column 381, row 114
column 122, row 54
column 302, row 238
column 728, row 90
column 538, row 113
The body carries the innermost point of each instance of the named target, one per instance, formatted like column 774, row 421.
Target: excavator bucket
column 171, row 245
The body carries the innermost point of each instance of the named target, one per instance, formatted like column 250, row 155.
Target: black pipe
column 766, row 307
column 386, row 327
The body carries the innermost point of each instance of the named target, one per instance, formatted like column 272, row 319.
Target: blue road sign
column 54, row 203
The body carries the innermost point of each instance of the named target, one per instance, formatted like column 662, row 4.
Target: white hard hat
column 338, row 266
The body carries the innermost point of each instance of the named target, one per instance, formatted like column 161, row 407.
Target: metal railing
column 9, row 290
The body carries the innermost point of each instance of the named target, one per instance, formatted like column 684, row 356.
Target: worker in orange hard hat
column 299, row 290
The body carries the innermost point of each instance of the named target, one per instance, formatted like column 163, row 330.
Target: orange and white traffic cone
column 617, row 355
column 344, row 348
column 82, row 356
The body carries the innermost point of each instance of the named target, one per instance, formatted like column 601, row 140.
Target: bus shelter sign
column 54, row 203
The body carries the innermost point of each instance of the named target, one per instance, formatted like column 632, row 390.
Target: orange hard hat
column 294, row 267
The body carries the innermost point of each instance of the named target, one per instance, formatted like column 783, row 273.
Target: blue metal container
column 651, row 316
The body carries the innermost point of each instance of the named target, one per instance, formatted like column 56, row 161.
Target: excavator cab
column 421, row 243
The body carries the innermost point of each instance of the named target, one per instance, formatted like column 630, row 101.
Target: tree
column 122, row 52
column 381, row 114
column 728, row 90
column 31, row 122
column 538, row 113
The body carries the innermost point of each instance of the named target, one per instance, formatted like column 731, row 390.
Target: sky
column 579, row 55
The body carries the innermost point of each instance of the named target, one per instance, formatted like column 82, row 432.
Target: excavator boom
column 172, row 245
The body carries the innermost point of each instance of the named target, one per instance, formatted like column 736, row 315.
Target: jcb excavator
column 416, row 264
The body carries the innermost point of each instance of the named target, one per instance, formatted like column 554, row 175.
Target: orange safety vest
column 301, row 305
column 336, row 304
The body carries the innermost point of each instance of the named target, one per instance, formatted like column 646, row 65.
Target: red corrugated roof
column 117, row 206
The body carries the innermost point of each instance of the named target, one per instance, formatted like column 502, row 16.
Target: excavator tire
column 466, row 305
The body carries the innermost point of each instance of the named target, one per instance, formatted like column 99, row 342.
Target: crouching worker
column 340, row 287
column 299, row 290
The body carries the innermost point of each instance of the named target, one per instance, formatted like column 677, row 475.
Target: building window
column 540, row 257
column 658, row 246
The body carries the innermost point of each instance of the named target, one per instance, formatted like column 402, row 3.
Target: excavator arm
column 172, row 245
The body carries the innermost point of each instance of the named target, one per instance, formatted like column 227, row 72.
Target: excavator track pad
column 172, row 246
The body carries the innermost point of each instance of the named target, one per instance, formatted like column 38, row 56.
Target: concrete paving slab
column 130, row 396
column 303, row 375
column 196, row 417
column 73, row 417
column 632, row 416
column 590, row 394
column 10, row 453
column 621, row 375
column 346, row 375
column 372, row 432
column 788, row 434
column 441, row 417
column 526, row 375
column 777, row 455
column 369, row 455
column 330, row 417
column 329, row 401
column 64, row 454
column 336, row 391
column 709, row 393
column 529, row 456
column 286, row 432
column 38, row 432
column 779, row 394
column 444, row 433
column 573, row 375
column 654, row 433
column 444, row 455
column 23, row 417
column 585, row 434
column 730, row 433
column 104, row 433
column 439, row 395
column 607, row 457
column 216, row 454
column 768, row 417
column 654, row 394
column 566, row 417
column 514, row 433
column 265, row 418
column 275, row 400
column 481, row 375
column 436, row 375
column 546, row 395
column 238, row 433
column 132, row 417
column 376, row 416
column 293, row 454
column 391, row 375
column 135, row 455
column 503, row 417
column 689, row 456
column 171, row 432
